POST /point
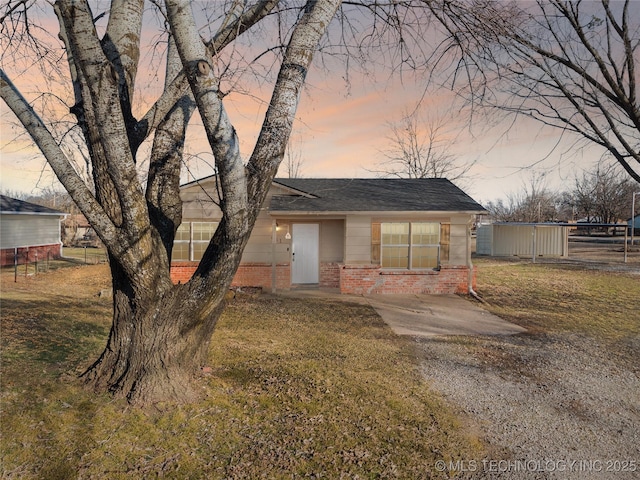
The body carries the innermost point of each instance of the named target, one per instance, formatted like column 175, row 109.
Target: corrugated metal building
column 523, row 240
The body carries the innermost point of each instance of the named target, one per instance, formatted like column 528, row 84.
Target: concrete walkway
column 430, row 315
column 424, row 315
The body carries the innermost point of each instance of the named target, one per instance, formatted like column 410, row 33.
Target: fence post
column 36, row 264
column 15, row 265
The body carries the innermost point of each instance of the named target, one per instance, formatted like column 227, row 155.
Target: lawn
column 85, row 254
column 557, row 297
column 295, row 389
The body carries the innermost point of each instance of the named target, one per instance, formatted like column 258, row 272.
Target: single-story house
column 31, row 231
column 358, row 235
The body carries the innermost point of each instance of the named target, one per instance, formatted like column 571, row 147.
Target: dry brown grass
column 296, row 389
column 557, row 297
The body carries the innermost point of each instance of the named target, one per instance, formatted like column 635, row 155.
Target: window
column 192, row 239
column 425, row 245
column 410, row 245
column 395, row 245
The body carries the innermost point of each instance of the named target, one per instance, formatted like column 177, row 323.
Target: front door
column 305, row 262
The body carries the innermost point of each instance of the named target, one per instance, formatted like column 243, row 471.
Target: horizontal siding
column 332, row 241
column 26, row 230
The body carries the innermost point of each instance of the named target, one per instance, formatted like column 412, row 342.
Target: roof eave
column 50, row 214
column 405, row 213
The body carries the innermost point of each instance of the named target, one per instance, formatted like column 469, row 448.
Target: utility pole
column 633, row 214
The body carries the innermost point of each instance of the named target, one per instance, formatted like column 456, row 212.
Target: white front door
column 305, row 261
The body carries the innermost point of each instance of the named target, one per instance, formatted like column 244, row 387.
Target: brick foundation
column 353, row 279
column 30, row 254
column 248, row 274
column 330, row 275
column 260, row 275
column 371, row 279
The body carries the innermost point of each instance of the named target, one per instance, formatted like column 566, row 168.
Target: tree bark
column 160, row 334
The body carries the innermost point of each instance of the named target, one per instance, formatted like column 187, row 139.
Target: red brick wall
column 354, row 279
column 367, row 279
column 29, row 254
column 330, row 275
column 181, row 271
column 248, row 274
column 259, row 274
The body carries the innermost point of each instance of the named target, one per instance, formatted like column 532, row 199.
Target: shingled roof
column 372, row 195
column 13, row 205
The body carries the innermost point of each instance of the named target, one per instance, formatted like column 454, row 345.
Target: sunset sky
column 339, row 132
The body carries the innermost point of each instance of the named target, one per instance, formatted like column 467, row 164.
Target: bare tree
column 566, row 64
column 421, row 149
column 603, row 195
column 293, row 160
column 161, row 332
column 534, row 202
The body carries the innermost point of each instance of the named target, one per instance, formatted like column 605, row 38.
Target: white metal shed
column 522, row 239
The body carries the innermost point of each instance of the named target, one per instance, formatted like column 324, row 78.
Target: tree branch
column 58, row 160
column 180, row 84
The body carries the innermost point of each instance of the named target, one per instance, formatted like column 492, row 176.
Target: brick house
column 31, row 231
column 357, row 235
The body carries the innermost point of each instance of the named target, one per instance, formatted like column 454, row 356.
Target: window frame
column 378, row 244
column 191, row 242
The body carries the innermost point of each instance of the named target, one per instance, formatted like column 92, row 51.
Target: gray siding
column 29, row 230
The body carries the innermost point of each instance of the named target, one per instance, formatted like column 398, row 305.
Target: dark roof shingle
column 373, row 195
column 13, row 205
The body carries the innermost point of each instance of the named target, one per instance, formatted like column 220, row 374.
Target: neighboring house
column 358, row 235
column 28, row 230
column 77, row 232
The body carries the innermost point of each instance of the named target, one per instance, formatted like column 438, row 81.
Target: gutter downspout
column 274, row 240
column 470, row 289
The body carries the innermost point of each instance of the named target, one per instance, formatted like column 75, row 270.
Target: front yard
column 295, row 388
column 310, row 388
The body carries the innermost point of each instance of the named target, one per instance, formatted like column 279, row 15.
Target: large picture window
column 410, row 245
column 191, row 240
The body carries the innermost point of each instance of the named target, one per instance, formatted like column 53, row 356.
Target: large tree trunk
column 161, row 332
column 148, row 357
column 160, row 335
column 158, row 342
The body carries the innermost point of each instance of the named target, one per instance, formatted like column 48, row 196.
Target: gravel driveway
column 548, row 405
